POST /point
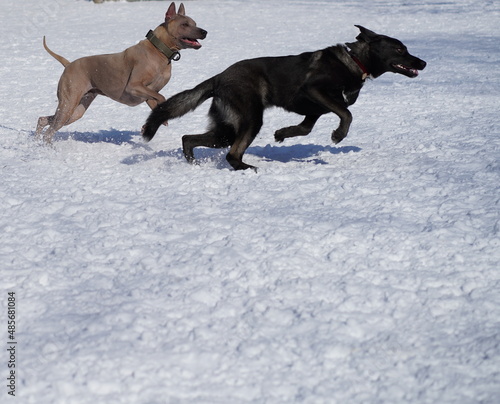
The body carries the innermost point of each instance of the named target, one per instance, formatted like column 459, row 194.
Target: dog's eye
column 401, row 51
column 185, row 24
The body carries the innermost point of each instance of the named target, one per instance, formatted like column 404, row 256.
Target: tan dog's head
column 182, row 29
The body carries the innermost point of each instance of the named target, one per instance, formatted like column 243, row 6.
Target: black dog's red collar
column 361, row 66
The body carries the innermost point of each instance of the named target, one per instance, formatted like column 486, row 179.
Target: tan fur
column 129, row 77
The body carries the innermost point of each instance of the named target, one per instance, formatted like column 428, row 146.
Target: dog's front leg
column 152, row 97
column 345, row 123
column 340, row 110
column 302, row 129
column 152, row 103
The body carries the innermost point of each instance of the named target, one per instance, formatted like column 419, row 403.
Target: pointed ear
column 181, row 11
column 170, row 12
column 366, row 35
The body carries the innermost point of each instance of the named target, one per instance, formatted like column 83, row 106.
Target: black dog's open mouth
column 407, row 71
column 191, row 43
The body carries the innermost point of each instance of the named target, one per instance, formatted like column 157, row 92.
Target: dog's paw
column 338, row 136
column 244, row 166
column 290, row 131
column 189, row 155
column 279, row 135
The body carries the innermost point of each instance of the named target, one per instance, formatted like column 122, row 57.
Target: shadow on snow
column 284, row 154
column 281, row 153
column 298, row 152
column 112, row 136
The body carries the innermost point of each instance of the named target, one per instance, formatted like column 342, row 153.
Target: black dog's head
column 385, row 54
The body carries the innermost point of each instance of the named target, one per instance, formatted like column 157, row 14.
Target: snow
column 366, row 272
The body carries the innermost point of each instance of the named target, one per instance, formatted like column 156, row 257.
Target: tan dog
column 130, row 77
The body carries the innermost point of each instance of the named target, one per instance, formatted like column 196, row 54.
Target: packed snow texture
column 366, row 272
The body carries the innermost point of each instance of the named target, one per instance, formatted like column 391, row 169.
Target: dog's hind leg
column 43, row 121
column 235, row 155
column 219, row 136
column 210, row 139
column 302, row 129
column 66, row 114
column 243, row 139
column 246, row 115
column 56, row 121
column 189, row 142
column 61, row 119
column 82, row 107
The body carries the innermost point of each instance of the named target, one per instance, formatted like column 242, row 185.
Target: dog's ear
column 170, row 12
column 181, row 10
column 366, row 35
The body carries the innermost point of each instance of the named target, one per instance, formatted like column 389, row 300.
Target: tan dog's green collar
column 169, row 53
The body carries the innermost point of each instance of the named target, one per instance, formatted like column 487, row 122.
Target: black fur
column 309, row 84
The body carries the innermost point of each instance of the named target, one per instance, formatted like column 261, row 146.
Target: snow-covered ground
column 366, row 272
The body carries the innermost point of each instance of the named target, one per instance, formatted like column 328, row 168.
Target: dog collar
column 360, row 65
column 169, row 53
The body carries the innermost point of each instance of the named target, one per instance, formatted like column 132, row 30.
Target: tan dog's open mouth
column 191, row 43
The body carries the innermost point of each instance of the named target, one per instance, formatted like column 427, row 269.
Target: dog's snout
column 420, row 64
column 203, row 33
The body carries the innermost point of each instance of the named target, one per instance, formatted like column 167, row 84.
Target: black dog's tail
column 177, row 106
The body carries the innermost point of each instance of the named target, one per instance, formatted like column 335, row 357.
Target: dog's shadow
column 112, row 136
column 142, row 157
column 307, row 153
column 282, row 153
column 299, row 152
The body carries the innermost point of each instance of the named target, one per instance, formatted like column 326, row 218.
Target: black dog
column 310, row 84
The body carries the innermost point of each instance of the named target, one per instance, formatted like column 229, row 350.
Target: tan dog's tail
column 65, row 62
